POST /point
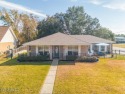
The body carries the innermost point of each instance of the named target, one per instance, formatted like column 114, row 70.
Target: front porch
column 62, row 52
column 59, row 52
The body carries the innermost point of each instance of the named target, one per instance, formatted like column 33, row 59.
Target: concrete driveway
column 122, row 50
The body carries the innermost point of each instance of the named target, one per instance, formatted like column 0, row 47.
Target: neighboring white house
column 120, row 39
column 8, row 39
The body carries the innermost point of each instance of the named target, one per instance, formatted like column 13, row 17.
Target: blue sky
column 111, row 13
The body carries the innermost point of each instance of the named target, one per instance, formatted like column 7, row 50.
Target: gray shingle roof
column 57, row 39
column 63, row 39
column 91, row 39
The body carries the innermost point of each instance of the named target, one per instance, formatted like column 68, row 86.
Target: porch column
column 36, row 50
column 105, row 48
column 65, row 51
column 79, row 50
column 111, row 49
column 91, row 48
column 50, row 51
column 99, row 48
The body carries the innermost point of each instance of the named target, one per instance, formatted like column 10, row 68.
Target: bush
column 71, row 57
column 87, row 59
column 101, row 53
column 23, row 58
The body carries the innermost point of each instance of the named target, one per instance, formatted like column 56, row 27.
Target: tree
column 79, row 22
column 105, row 33
column 24, row 25
column 74, row 21
column 10, row 18
column 120, row 35
column 49, row 26
column 29, row 27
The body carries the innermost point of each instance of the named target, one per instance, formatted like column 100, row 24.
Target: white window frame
column 102, row 49
column 73, row 49
column 43, row 49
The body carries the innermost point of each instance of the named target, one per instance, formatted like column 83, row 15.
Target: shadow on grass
column 14, row 62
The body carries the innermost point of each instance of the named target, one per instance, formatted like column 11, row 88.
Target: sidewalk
column 50, row 79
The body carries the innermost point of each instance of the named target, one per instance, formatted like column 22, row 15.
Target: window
column 102, row 48
column 46, row 50
column 72, row 50
column 43, row 50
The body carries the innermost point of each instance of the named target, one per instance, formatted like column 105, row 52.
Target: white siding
column 8, row 37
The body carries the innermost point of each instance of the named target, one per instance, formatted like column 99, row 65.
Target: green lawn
column 105, row 77
column 119, row 45
column 119, row 57
column 22, row 78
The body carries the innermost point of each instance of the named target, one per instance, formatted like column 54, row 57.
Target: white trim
column 99, row 48
column 105, row 48
column 79, row 50
column 10, row 28
column 65, row 50
column 91, row 48
column 37, row 50
column 50, row 51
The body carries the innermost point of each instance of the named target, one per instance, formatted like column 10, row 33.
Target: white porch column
column 66, row 50
column 50, row 51
column 99, row 48
column 79, row 50
column 36, row 50
column 91, row 48
column 111, row 49
column 105, row 48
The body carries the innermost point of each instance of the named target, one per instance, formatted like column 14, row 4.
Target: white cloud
column 116, row 6
column 111, row 4
column 96, row 2
column 9, row 5
column 73, row 0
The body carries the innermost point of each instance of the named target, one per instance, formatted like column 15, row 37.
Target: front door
column 55, row 51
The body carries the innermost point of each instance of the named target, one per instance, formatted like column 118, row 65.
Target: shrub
column 101, row 53
column 71, row 57
column 33, row 58
column 87, row 59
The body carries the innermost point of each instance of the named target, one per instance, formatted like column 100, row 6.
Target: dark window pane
column 69, row 52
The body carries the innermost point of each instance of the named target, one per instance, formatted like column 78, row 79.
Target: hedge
column 71, row 57
column 87, row 59
column 33, row 58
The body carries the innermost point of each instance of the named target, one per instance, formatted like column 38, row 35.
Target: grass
column 119, row 57
column 22, row 78
column 105, row 77
column 119, row 45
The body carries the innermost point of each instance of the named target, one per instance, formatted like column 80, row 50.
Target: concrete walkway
column 50, row 79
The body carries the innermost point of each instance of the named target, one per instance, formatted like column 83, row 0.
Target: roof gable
column 3, row 30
